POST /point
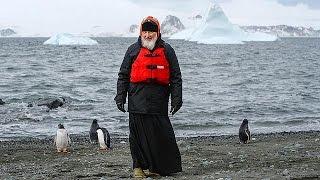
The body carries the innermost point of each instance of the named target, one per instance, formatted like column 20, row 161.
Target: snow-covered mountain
column 133, row 28
column 133, row 31
column 284, row 30
column 7, row 32
column 171, row 25
column 215, row 28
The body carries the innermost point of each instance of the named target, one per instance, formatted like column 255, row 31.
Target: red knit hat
column 150, row 24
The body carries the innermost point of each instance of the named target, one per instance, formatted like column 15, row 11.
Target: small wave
column 43, row 86
column 82, row 107
column 20, row 118
column 221, row 65
column 120, row 119
column 294, row 122
column 207, row 125
column 13, row 68
column 266, row 123
column 104, row 91
column 26, row 55
column 246, row 82
column 91, row 80
column 194, row 65
column 27, row 76
column 4, row 55
column 307, row 96
column 68, row 70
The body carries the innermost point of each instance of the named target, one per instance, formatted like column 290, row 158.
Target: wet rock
column 54, row 104
column 285, row 172
column 2, row 102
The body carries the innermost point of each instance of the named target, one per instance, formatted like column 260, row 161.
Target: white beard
column 149, row 44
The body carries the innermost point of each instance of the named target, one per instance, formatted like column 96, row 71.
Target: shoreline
column 116, row 137
column 283, row 155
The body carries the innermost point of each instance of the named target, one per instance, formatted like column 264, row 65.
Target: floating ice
column 217, row 29
column 69, row 39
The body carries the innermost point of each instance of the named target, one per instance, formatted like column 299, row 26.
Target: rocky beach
column 286, row 155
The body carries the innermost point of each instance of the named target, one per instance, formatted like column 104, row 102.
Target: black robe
column 153, row 145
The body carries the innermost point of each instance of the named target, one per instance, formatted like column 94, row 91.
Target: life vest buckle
column 151, row 66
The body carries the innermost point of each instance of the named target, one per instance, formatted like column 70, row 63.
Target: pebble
column 285, row 172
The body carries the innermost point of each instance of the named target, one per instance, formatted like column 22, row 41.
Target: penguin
column 93, row 131
column 54, row 104
column 244, row 133
column 103, row 138
column 2, row 102
column 62, row 139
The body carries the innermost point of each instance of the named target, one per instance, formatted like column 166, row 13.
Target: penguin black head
column 93, row 131
column 245, row 121
column 60, row 126
column 244, row 132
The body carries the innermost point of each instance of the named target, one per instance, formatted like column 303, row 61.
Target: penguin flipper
column 106, row 137
column 55, row 140
column 93, row 136
column 69, row 140
column 248, row 135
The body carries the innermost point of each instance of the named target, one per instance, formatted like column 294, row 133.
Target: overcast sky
column 76, row 16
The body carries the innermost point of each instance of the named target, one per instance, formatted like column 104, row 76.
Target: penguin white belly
column 62, row 139
column 101, row 140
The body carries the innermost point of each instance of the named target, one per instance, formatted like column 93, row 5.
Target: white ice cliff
column 69, row 39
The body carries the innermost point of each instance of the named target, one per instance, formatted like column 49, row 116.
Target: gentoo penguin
column 103, row 138
column 93, row 131
column 244, row 133
column 2, row 102
column 62, row 139
column 54, row 104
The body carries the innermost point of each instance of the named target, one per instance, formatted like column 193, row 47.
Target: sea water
column 275, row 85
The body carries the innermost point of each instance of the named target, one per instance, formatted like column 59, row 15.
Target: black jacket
column 149, row 98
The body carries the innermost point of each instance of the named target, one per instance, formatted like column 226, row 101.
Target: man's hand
column 174, row 109
column 121, row 107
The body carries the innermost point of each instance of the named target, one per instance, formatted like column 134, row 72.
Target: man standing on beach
column 149, row 74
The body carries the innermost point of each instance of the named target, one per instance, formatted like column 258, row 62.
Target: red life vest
column 150, row 67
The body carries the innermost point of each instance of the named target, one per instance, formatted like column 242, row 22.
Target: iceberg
column 69, row 39
column 216, row 28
